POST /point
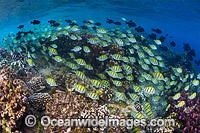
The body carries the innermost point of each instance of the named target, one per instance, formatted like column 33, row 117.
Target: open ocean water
column 41, row 57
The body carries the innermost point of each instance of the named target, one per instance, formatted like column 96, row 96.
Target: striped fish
column 76, row 49
column 93, row 96
column 167, row 108
column 132, row 40
column 57, row 59
column 192, row 96
column 137, row 88
column 153, row 61
column 138, row 115
column 131, row 51
column 134, row 96
column 147, row 61
column 158, row 76
column 105, row 83
column 72, row 65
column 120, row 96
column 154, row 80
column 146, row 105
column 51, row 82
column 149, row 90
column 86, row 49
column 180, row 104
column 149, row 113
column 129, row 77
column 152, row 46
column 102, row 76
column 117, row 83
column 52, row 51
column 136, row 46
column 116, row 68
column 79, row 88
column 101, row 30
column 127, row 68
column 96, row 83
column 145, row 66
column 88, row 67
column 80, row 62
column 112, row 74
column 141, row 54
column 80, row 74
column 30, row 62
column 119, row 41
column 102, row 58
column 177, row 96
column 116, row 56
column 71, row 55
column 132, row 59
column 125, row 59
column 120, row 75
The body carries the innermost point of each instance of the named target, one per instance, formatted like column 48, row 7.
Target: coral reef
column 188, row 115
column 39, row 100
column 72, row 105
column 17, row 100
column 36, row 83
column 69, row 72
column 12, row 106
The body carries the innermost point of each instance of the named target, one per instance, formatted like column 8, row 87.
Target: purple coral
column 12, row 108
column 189, row 114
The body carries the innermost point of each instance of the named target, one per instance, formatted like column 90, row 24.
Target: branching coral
column 12, row 107
column 70, row 105
column 187, row 115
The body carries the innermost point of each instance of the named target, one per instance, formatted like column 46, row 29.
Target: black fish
column 157, row 30
column 162, row 38
column 139, row 29
column 34, row 22
column 68, row 21
column 84, row 27
column 84, row 21
column 166, row 34
column 94, row 28
column 152, row 36
column 55, row 24
column 109, row 21
column 186, row 47
column 72, row 24
column 197, row 62
column 20, row 27
column 51, row 21
column 192, row 52
column 130, row 23
column 189, row 57
column 172, row 44
column 19, row 34
column 98, row 24
column 163, row 48
column 117, row 23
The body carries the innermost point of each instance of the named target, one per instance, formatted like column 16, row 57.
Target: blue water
column 178, row 18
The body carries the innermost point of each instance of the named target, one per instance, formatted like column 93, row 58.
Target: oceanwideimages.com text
column 46, row 121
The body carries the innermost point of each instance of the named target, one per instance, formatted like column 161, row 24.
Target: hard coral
column 188, row 115
column 72, row 106
column 39, row 100
column 67, row 105
column 36, row 83
column 12, row 108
